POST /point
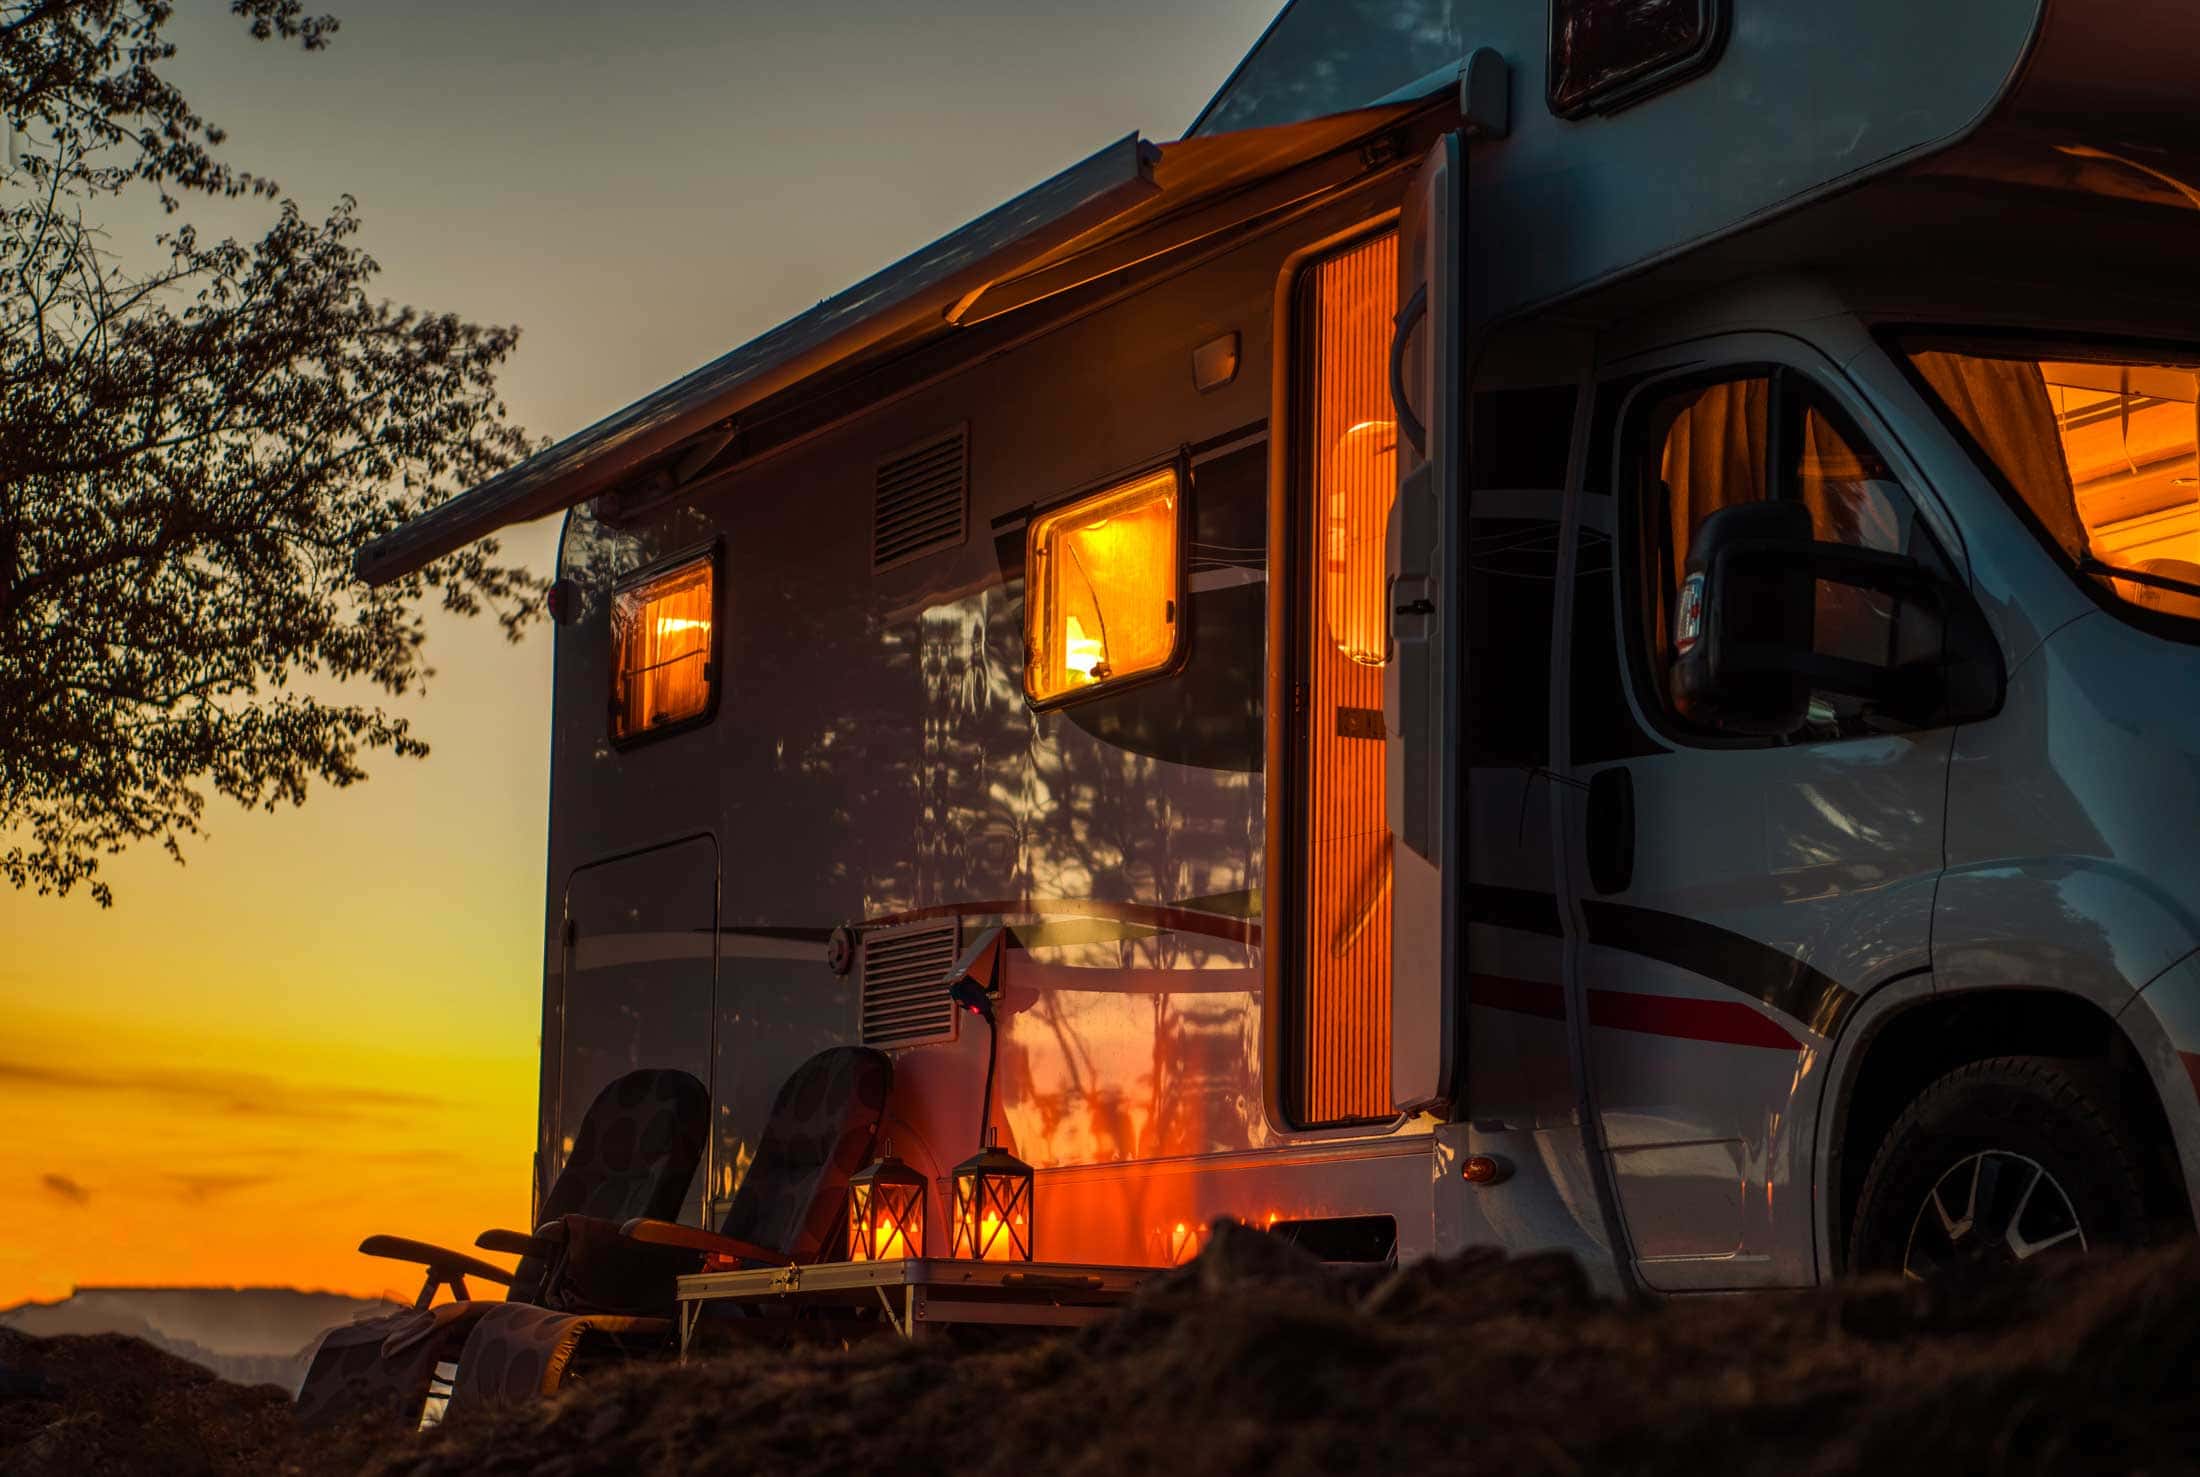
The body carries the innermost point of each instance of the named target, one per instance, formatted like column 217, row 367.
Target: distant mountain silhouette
column 252, row 1335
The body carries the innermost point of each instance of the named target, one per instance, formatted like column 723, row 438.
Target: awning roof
column 1131, row 200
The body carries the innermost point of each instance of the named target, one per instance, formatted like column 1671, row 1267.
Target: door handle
column 1409, row 424
column 1611, row 841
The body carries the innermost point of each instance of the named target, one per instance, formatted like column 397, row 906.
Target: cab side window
column 1757, row 434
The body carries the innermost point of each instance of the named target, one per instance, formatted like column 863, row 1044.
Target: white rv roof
column 1052, row 237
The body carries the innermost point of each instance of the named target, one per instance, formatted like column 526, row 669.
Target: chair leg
column 439, row 1394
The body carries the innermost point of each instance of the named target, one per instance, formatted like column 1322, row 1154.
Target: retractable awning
column 1130, row 201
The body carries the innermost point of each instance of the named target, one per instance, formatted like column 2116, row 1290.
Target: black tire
column 1978, row 1135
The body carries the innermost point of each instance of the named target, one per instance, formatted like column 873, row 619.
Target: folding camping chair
column 822, row 1126
column 635, row 1153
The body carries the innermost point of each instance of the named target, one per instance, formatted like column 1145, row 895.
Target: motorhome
column 1568, row 627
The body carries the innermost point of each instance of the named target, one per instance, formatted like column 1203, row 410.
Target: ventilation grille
column 905, row 985
column 922, row 502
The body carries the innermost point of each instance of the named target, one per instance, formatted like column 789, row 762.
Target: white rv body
column 1680, row 1069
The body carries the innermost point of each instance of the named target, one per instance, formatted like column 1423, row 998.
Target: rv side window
column 1707, row 446
column 1606, row 54
column 663, row 634
column 1104, row 586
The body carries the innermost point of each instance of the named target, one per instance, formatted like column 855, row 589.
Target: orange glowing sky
column 325, row 1024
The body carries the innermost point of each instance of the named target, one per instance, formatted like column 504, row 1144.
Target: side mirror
column 1746, row 610
column 1747, row 648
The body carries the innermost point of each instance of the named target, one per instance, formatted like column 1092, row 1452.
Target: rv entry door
column 641, row 951
column 1421, row 680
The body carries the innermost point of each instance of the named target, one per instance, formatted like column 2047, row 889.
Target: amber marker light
column 1483, row 1169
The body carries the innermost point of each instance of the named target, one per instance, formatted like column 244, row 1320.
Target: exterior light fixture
column 1215, row 363
column 885, row 1212
column 990, row 1204
column 1484, row 1169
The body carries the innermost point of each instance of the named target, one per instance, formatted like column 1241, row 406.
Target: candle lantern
column 992, row 1219
column 885, row 1212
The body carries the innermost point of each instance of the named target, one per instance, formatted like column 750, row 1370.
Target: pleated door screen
column 1350, row 475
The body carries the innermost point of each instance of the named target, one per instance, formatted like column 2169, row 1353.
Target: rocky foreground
column 1254, row 1360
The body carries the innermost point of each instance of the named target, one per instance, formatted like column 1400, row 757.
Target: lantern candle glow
column 885, row 1212
column 991, row 1196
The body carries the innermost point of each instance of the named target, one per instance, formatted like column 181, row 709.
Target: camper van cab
column 1570, row 628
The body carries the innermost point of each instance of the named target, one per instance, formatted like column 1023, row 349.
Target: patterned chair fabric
column 520, row 1353
column 378, row 1368
column 820, row 1132
column 634, row 1154
column 821, row 1129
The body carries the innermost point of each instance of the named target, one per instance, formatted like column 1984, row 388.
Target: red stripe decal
column 1522, row 997
column 1728, row 1022
column 2191, row 1060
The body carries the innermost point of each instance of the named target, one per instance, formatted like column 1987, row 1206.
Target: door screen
column 1350, row 475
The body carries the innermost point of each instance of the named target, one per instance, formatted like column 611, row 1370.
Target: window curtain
column 1714, row 457
column 2003, row 403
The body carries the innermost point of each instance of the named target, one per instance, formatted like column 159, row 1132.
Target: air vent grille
column 922, row 502
column 905, row 984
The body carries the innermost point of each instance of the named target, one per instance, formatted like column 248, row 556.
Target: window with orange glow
column 661, row 646
column 2103, row 452
column 1343, row 1030
column 1102, row 589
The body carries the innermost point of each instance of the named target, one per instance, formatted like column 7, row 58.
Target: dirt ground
column 1254, row 1360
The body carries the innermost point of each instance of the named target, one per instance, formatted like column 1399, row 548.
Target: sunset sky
column 325, row 1024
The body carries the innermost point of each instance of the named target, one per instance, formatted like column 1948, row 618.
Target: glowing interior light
column 1359, row 484
column 662, row 634
column 1103, row 588
column 1082, row 654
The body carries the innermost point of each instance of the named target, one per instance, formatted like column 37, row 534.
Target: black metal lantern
column 991, row 1219
column 885, row 1212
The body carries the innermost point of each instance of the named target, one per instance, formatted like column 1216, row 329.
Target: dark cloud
column 199, row 1188
column 64, row 1188
column 241, row 1093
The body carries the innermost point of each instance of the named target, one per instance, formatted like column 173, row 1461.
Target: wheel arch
column 1908, row 1034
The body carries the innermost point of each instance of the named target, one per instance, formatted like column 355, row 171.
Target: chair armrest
column 693, row 1238
column 518, row 1243
column 434, row 1258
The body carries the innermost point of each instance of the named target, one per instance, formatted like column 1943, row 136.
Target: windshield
column 2100, row 447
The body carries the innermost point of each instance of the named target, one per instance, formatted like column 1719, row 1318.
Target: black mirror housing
column 1745, row 611
column 1745, row 639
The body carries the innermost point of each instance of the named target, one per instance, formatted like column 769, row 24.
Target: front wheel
column 1994, row 1164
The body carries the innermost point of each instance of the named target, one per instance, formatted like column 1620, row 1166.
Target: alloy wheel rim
column 1990, row 1210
